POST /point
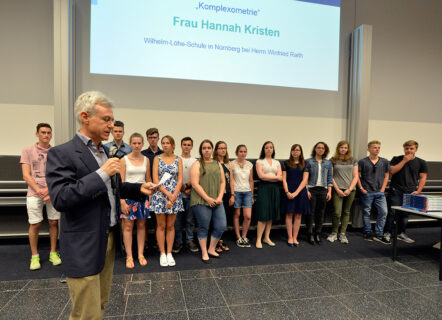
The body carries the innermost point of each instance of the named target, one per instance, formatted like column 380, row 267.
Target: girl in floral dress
column 167, row 201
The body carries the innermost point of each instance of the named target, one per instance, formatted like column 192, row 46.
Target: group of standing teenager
column 206, row 191
column 79, row 182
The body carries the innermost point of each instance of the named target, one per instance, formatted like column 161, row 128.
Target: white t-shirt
column 187, row 164
column 318, row 182
column 241, row 176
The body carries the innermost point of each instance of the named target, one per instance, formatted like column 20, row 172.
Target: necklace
column 241, row 165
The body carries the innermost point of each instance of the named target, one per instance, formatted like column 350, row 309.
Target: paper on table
column 166, row 176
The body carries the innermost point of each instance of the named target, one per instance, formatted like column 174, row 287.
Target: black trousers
column 318, row 202
column 394, row 198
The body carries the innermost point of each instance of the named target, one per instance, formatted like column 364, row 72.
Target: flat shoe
column 270, row 243
column 290, row 244
column 223, row 246
column 213, row 256
column 206, row 261
column 258, row 246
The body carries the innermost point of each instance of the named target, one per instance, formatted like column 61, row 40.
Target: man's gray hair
column 87, row 101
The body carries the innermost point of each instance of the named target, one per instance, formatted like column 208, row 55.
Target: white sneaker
column 163, row 260
column 170, row 260
column 343, row 238
column 332, row 237
column 405, row 238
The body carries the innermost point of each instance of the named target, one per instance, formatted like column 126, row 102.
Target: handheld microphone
column 115, row 152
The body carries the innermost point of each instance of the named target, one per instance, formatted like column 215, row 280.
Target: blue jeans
column 205, row 214
column 187, row 219
column 378, row 199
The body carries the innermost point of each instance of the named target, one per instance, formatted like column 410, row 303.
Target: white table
column 434, row 215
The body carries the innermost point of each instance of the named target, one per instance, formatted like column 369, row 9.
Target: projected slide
column 285, row 43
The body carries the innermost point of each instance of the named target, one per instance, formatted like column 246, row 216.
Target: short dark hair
column 410, row 143
column 119, row 123
column 43, row 125
column 151, row 131
column 186, row 139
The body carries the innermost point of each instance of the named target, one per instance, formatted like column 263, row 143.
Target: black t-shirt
column 373, row 175
column 227, row 190
column 407, row 179
column 151, row 155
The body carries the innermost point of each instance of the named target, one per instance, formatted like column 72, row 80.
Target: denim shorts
column 243, row 199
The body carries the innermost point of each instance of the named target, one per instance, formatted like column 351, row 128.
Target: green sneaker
column 35, row 263
column 54, row 257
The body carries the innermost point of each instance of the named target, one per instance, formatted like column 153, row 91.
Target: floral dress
column 159, row 199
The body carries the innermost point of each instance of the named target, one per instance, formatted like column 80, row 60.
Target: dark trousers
column 318, row 202
column 394, row 198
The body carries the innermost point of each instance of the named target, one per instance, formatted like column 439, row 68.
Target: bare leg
column 260, row 230
column 53, row 234
column 161, row 232
column 127, row 227
column 247, row 215
column 236, row 222
column 33, row 237
column 212, row 247
column 268, row 227
column 289, row 226
column 203, row 245
column 170, row 231
column 141, row 234
column 296, row 226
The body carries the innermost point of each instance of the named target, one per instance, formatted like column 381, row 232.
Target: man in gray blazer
column 84, row 186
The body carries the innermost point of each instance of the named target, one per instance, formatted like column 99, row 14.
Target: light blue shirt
column 125, row 148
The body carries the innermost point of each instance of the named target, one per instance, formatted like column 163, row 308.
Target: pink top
column 36, row 156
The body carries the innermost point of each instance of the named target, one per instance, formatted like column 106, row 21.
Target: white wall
column 392, row 135
column 18, row 123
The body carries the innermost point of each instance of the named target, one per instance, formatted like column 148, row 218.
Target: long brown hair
column 262, row 155
column 347, row 156
column 291, row 161
column 215, row 152
column 201, row 160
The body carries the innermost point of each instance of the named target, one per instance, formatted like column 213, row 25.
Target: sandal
column 223, row 246
column 142, row 260
column 130, row 263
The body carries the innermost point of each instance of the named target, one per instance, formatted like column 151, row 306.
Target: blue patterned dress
column 159, row 199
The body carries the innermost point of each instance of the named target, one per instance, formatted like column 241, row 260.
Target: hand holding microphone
column 112, row 166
